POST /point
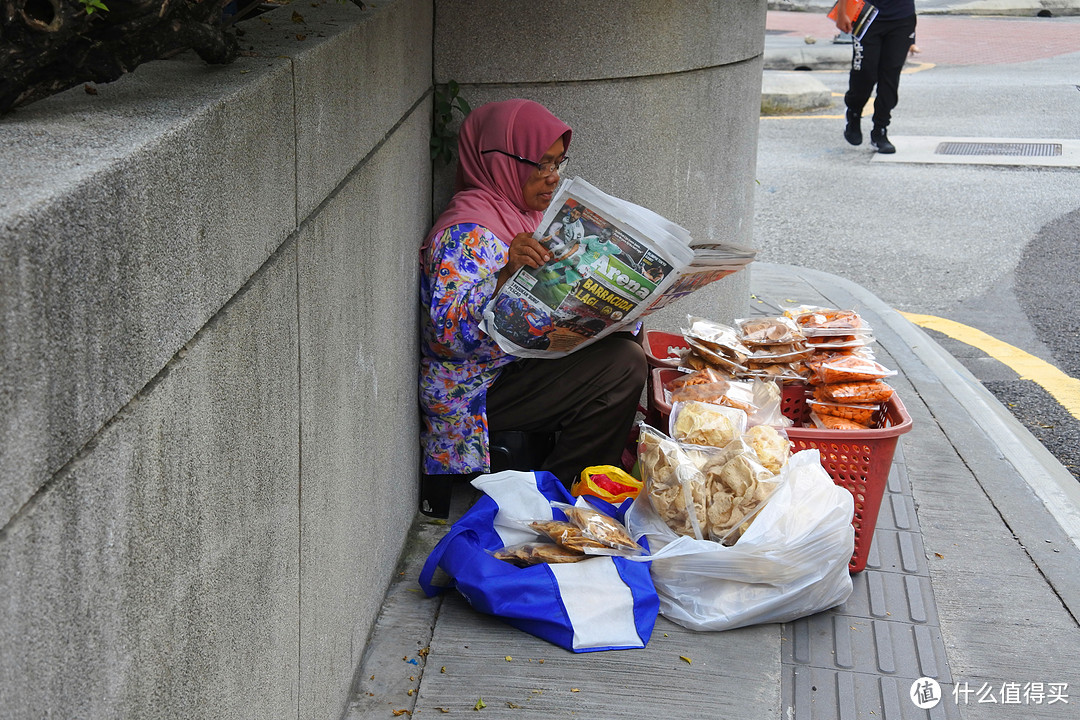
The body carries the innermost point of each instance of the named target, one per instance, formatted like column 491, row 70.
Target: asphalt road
column 996, row 248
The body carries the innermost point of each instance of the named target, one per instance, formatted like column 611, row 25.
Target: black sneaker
column 879, row 140
column 853, row 133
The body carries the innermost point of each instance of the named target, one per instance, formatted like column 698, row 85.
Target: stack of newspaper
column 613, row 262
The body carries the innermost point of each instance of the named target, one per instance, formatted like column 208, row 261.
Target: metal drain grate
column 1013, row 149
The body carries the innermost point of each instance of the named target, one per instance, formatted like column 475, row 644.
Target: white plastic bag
column 791, row 562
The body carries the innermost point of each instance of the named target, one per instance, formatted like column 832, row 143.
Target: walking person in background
column 877, row 59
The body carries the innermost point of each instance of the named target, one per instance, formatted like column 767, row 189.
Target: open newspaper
column 613, row 262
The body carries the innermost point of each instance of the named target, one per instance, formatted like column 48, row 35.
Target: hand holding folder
column 859, row 13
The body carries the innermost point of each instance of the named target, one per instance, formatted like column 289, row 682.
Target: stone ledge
column 790, row 92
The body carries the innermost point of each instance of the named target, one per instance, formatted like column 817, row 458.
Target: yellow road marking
column 1065, row 389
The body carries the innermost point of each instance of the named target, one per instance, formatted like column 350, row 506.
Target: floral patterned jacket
column 458, row 361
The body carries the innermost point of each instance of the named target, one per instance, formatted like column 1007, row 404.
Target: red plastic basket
column 658, row 345
column 858, row 460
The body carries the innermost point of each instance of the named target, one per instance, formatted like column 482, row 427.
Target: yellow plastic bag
column 606, row 482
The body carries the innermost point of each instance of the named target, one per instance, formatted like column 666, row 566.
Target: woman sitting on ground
column 510, row 155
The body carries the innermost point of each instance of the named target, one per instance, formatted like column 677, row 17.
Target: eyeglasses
column 546, row 169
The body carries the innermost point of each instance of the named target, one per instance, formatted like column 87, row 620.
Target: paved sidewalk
column 971, row 580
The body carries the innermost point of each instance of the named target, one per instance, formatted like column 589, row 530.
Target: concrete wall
column 207, row 371
column 663, row 98
column 208, row 307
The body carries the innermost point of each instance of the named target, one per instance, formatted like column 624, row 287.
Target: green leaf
column 443, row 139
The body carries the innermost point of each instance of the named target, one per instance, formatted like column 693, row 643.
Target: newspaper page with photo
column 611, row 260
column 711, row 262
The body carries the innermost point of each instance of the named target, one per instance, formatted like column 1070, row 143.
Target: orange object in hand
column 606, row 482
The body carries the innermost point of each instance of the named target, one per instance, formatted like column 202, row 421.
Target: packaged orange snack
column 831, row 340
column 822, row 343
column 827, row 319
column 868, row 391
column 862, row 414
column 697, row 386
column 831, row 422
column 848, row 368
column 769, row 331
column 706, row 376
column 606, row 482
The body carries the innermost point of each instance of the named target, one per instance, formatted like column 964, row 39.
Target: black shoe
column 879, row 140
column 853, row 133
column 435, row 491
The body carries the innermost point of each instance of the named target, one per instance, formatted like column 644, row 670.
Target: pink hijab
column 488, row 187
